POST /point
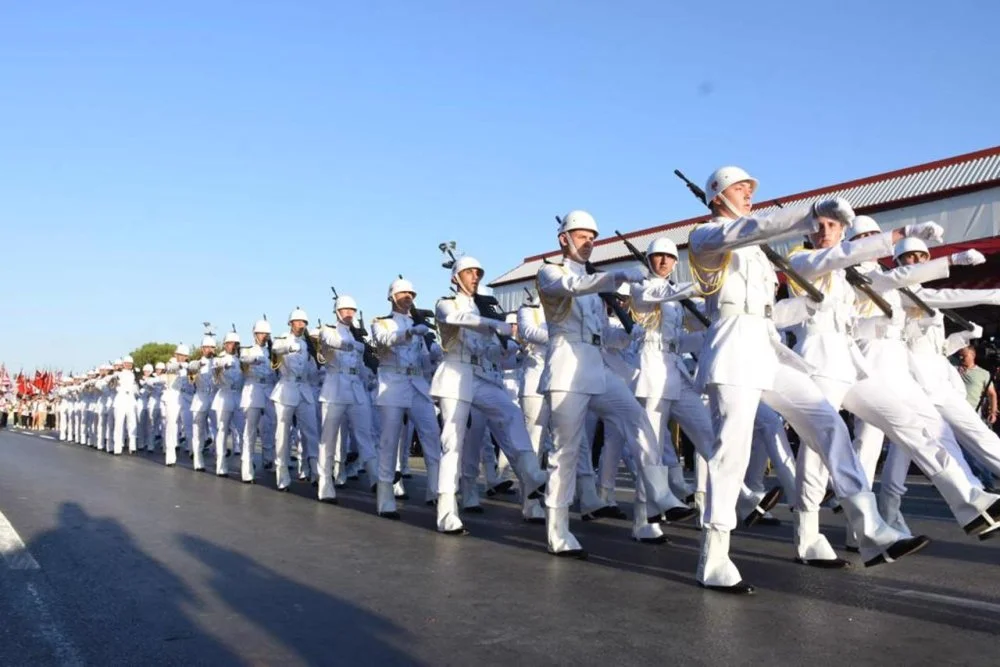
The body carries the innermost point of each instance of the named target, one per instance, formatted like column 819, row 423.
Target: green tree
column 150, row 353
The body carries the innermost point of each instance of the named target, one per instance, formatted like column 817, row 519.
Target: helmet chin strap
column 729, row 205
column 572, row 251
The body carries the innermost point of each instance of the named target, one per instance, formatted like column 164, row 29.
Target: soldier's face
column 298, row 326
column 181, row 357
column 230, row 347
column 404, row 301
column 662, row 264
column 260, row 338
column 207, row 351
column 914, row 257
column 468, row 280
column 740, row 195
column 579, row 243
column 346, row 315
column 829, row 234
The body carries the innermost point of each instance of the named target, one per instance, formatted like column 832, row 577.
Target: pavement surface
column 120, row 560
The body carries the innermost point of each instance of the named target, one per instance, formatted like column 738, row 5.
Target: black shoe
column 600, row 513
column 678, row 514
column 249, row 481
column 980, row 524
column 579, row 554
column 328, row 501
column 505, row 487
column 853, row 550
column 396, row 476
column 689, row 499
column 389, row 515
column 229, row 453
column 741, row 588
column 475, row 509
column 221, row 474
column 537, row 493
column 616, row 513
column 405, row 496
column 170, row 465
column 199, row 470
column 536, row 521
column 269, row 465
column 662, row 539
column 765, row 505
column 283, row 489
column 341, row 485
column 406, row 475
column 901, row 548
column 352, row 457
column 458, row 532
column 835, row 564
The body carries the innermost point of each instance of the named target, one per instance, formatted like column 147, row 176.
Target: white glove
column 977, row 332
column 294, row 346
column 503, row 328
column 837, row 208
column 928, row 231
column 970, row 257
column 629, row 275
column 193, row 365
column 419, row 330
column 359, row 346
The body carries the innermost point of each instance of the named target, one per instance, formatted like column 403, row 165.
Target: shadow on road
column 316, row 626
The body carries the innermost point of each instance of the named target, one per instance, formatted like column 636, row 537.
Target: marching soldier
column 201, row 404
column 175, row 404
column 255, row 361
column 124, row 406
column 225, row 406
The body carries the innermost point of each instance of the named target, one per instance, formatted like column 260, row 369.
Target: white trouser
column 200, row 432
column 424, row 419
column 694, row 418
column 228, row 422
column 770, row 442
column 405, row 439
column 972, row 432
column 63, row 421
column 358, row 418
column 257, row 420
column 305, row 416
column 536, row 419
column 125, row 414
column 173, row 416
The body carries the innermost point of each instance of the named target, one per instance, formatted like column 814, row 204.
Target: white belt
column 399, row 370
column 734, row 310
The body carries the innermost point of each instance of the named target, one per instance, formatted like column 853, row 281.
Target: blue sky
column 162, row 164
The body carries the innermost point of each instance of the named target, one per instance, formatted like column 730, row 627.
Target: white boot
column 590, row 504
column 642, row 530
column 532, row 510
column 340, row 475
column 371, row 473
column 878, row 542
column 470, row 495
column 977, row 510
column 529, row 474
column 385, row 504
column 889, row 507
column 325, row 491
column 561, row 542
column 447, row 515
column 811, row 546
column 715, row 570
column 399, row 491
column 660, row 500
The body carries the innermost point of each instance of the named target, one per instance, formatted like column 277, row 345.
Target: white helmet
column 147, row 368
column 624, row 290
column 466, row 262
column 909, row 244
column 401, row 285
column 862, row 224
column 208, row 341
column 578, row 220
column 345, row 302
column 298, row 314
column 661, row 245
column 183, row 349
column 232, row 337
column 127, row 359
column 117, row 362
column 160, row 366
column 262, row 326
column 511, row 318
column 723, row 177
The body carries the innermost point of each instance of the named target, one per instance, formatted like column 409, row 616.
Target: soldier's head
column 729, row 192
column 401, row 295
column 829, row 233
column 261, row 331
column 147, row 370
column 862, row 227
column 128, row 362
column 182, row 353
column 577, row 233
column 662, row 256
column 910, row 250
column 466, row 274
column 298, row 321
column 346, row 308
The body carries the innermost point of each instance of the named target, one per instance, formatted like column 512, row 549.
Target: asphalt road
column 128, row 562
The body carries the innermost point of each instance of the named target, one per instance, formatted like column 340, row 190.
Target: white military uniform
column 344, row 402
column 293, row 397
column 576, row 380
column 743, row 363
column 174, row 408
column 403, row 389
column 125, row 410
column 258, row 410
column 468, row 376
column 201, row 405
column 534, row 335
column 225, row 406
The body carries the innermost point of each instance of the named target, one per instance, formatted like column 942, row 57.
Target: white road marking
column 65, row 652
column 12, row 548
column 981, row 605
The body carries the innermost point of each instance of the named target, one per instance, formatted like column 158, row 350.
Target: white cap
column 723, row 177
column 118, row 362
column 262, row 326
column 298, row 314
column 862, row 224
column 232, row 337
column 160, row 366
column 511, row 318
column 662, row 246
column 466, row 262
column 345, row 302
column 578, row 220
column 624, row 290
column 127, row 359
column 147, row 368
column 208, row 341
column 183, row 349
column 401, row 285
column 909, row 244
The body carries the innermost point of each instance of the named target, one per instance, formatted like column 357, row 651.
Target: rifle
column 688, row 304
column 487, row 305
column 610, row 299
column 777, row 260
column 948, row 314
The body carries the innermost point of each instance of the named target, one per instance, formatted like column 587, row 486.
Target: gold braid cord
column 709, row 279
column 823, row 284
column 557, row 308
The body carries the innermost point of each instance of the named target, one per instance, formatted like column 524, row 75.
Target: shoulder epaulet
column 281, row 337
column 328, row 326
column 447, row 298
column 381, row 317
